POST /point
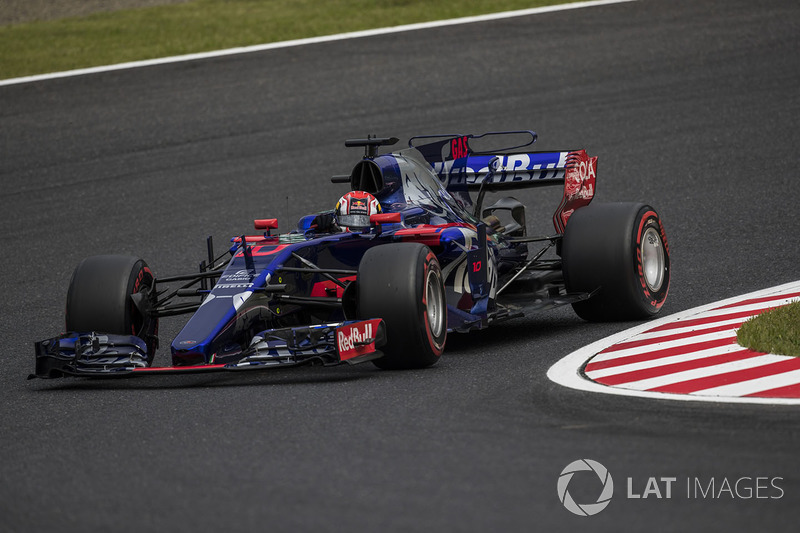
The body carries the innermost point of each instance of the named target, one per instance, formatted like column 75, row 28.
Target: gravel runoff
column 18, row 11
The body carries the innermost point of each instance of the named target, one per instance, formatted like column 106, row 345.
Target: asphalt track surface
column 691, row 105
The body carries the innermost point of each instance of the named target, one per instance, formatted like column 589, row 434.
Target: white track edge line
column 699, row 330
column 734, row 323
column 311, row 40
column 761, row 306
column 566, row 371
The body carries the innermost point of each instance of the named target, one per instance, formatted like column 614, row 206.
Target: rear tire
column 101, row 299
column 620, row 249
column 402, row 284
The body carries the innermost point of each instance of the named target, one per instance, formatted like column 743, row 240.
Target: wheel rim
column 652, row 259
column 435, row 303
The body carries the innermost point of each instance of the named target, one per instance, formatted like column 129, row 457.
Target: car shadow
column 305, row 375
column 525, row 329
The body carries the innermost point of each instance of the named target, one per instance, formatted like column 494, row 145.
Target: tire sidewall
column 431, row 268
column 651, row 300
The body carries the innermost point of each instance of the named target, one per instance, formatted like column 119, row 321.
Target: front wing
column 98, row 354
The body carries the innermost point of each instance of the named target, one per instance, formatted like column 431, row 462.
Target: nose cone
column 195, row 344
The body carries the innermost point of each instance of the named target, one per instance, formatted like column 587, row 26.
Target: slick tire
column 402, row 284
column 620, row 250
column 112, row 294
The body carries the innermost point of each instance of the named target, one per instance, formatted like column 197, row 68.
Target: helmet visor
column 353, row 221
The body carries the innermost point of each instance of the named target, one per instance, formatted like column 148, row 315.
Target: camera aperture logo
column 585, row 509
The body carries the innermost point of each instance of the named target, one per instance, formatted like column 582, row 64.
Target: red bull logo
column 356, row 339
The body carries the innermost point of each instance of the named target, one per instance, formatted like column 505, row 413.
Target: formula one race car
column 407, row 256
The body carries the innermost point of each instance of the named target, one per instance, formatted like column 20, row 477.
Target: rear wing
column 501, row 171
column 462, row 168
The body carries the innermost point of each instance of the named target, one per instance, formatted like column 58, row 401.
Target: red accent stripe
column 673, row 368
column 259, row 250
column 177, row 368
column 789, row 391
column 658, row 354
column 427, row 240
column 693, row 385
column 433, row 228
column 668, row 338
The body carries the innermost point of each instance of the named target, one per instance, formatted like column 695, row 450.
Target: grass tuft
column 776, row 331
column 204, row 25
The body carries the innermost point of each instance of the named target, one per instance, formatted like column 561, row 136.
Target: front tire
column 113, row 294
column 402, row 284
column 620, row 250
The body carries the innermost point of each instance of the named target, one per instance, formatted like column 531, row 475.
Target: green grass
column 203, row 25
column 776, row 331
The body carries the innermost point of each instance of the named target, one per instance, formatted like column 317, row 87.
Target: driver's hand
column 323, row 223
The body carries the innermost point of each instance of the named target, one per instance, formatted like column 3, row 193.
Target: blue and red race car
column 409, row 255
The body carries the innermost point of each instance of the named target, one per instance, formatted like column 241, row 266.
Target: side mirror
column 266, row 223
column 386, row 218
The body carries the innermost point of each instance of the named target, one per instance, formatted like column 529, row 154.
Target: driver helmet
column 354, row 208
